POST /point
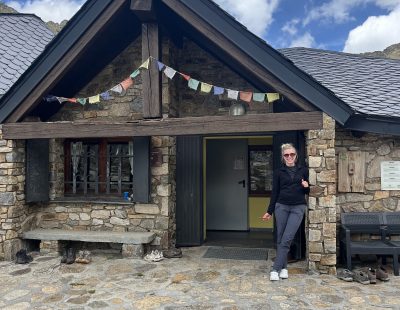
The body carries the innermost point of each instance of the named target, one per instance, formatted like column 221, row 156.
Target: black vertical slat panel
column 297, row 249
column 189, row 200
column 37, row 170
column 141, row 169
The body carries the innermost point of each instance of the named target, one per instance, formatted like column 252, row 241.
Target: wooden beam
column 56, row 73
column 237, row 54
column 144, row 10
column 151, row 79
column 253, row 123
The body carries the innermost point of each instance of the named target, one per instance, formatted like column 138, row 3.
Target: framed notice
column 260, row 170
column 390, row 175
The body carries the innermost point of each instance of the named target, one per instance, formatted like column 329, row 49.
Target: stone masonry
column 12, row 199
column 378, row 148
column 321, row 235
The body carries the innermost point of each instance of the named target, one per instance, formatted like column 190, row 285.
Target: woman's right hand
column 266, row 217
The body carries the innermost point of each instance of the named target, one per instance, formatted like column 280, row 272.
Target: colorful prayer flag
column 117, row 89
column 169, row 72
column 61, row 99
column 82, row 101
column 185, row 76
column 145, row 64
column 126, row 83
column 160, row 65
column 271, row 97
column 135, row 73
column 205, row 88
column 94, row 99
column 245, row 96
column 73, row 100
column 218, row 90
column 50, row 98
column 106, row 95
column 259, row 97
column 193, row 84
column 232, row 94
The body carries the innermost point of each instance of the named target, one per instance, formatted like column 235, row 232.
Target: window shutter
column 141, row 169
column 37, row 170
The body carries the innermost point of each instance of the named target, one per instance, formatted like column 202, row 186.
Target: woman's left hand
column 304, row 183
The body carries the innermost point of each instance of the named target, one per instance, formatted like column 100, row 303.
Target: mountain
column 393, row 52
column 54, row 27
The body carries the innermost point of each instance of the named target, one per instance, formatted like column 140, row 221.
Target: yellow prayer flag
column 145, row 64
column 271, row 97
column 205, row 88
column 94, row 99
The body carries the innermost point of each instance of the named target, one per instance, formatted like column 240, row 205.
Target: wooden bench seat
column 132, row 242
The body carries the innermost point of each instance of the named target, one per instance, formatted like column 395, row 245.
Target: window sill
column 93, row 200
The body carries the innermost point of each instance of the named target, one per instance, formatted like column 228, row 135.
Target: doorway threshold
column 242, row 239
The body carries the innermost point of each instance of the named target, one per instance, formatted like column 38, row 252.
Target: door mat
column 236, row 253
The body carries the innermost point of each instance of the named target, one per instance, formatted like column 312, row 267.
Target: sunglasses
column 289, row 154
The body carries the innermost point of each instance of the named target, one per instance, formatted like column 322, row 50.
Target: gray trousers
column 288, row 219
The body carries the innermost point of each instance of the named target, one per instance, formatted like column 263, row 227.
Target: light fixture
column 237, row 109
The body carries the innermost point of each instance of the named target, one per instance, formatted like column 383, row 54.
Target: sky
column 353, row 26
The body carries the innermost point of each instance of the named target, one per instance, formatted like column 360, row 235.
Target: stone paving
column 190, row 282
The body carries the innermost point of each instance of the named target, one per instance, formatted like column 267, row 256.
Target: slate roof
column 22, row 38
column 368, row 85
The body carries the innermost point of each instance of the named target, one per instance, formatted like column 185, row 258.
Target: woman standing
column 290, row 184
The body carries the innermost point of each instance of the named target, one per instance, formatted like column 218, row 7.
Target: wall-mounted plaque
column 390, row 175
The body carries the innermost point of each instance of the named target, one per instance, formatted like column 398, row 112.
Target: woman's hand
column 304, row 183
column 266, row 217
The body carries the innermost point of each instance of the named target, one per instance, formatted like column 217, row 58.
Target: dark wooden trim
column 151, row 79
column 251, row 123
column 57, row 72
column 236, row 53
column 144, row 10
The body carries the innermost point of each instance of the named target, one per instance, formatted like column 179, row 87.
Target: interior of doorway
column 258, row 233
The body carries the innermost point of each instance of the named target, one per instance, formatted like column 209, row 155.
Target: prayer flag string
column 170, row 73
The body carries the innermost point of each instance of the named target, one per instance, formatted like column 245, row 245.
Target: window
column 98, row 167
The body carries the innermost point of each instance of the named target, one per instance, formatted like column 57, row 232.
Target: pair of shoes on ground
column 21, row 257
column 363, row 276
column 84, row 257
column 276, row 276
column 68, row 256
column 172, row 253
column 154, row 256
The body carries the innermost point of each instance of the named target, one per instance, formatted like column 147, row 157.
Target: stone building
column 186, row 164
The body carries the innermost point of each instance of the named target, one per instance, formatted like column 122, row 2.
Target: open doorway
column 237, row 187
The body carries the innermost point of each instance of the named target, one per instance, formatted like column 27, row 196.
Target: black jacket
column 286, row 190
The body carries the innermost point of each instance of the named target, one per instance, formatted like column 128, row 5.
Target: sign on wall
column 390, row 175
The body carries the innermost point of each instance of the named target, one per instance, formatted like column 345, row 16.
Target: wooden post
column 152, row 107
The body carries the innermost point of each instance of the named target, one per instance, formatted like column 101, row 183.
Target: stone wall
column 13, row 215
column 377, row 148
column 321, row 222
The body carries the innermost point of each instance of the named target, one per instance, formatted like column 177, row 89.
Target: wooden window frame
column 102, row 182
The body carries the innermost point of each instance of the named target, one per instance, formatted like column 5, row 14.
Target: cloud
column 48, row 10
column 339, row 11
column 291, row 27
column 375, row 34
column 256, row 15
column 305, row 40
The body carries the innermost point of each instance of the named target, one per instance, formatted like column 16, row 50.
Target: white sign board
column 390, row 175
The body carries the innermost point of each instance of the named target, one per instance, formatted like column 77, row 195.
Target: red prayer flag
column 126, row 83
column 186, row 77
column 245, row 96
column 72, row 100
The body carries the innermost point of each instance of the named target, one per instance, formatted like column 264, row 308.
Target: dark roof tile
column 22, row 38
column 369, row 85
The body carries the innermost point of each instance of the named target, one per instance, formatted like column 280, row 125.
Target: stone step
column 90, row 236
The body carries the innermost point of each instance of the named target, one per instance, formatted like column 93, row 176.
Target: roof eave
column 374, row 124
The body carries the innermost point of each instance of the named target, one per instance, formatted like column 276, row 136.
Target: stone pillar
column 12, row 198
column 132, row 250
column 321, row 237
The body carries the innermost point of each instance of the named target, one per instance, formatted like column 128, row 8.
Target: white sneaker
column 273, row 276
column 284, row 274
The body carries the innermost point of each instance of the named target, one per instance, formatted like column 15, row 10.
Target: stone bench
column 132, row 242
